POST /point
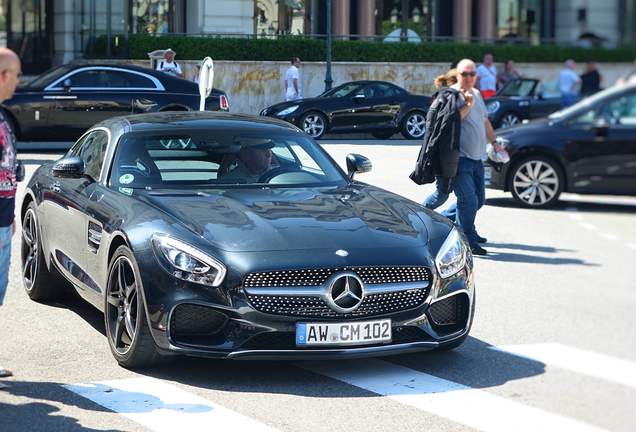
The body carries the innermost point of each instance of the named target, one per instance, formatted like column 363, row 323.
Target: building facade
column 49, row 32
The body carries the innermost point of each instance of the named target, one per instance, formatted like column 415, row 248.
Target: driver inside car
column 252, row 162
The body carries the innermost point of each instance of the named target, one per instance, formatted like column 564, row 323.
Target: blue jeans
column 5, row 258
column 568, row 99
column 471, row 195
column 437, row 198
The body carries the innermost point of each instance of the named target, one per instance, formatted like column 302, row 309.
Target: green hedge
column 190, row 47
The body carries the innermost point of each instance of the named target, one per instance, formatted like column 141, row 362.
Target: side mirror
column 357, row 164
column 359, row 97
column 600, row 127
column 66, row 85
column 68, row 167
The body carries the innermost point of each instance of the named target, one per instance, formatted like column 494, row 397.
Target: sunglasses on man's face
column 468, row 74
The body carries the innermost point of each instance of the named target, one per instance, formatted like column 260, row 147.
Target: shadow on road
column 87, row 312
column 475, row 364
column 42, row 416
column 564, row 205
column 529, row 248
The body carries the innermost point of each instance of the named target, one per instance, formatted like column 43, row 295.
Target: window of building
column 282, row 17
column 152, row 16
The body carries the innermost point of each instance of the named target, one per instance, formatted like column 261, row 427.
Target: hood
column 256, row 220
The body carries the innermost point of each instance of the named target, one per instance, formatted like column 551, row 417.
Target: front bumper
column 238, row 330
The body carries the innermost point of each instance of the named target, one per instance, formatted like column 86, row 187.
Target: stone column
column 366, row 17
column 487, row 13
column 341, row 16
column 461, row 19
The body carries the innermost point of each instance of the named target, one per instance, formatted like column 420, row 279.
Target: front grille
column 315, row 307
column 317, row 277
column 450, row 315
column 287, row 340
column 195, row 320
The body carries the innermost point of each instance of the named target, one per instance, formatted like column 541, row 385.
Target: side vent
column 94, row 236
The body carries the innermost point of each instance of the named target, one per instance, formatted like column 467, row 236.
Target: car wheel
column 127, row 328
column 536, row 181
column 508, row 120
column 414, row 125
column 383, row 134
column 314, row 124
column 39, row 283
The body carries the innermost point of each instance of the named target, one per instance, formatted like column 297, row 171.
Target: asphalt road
column 553, row 345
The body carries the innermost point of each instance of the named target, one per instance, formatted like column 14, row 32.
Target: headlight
column 451, row 257
column 288, row 111
column 187, row 263
column 493, row 107
column 502, row 142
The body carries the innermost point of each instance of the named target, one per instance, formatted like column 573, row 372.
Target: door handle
column 56, row 187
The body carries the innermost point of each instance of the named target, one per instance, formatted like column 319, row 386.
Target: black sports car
column 239, row 237
column 61, row 104
column 588, row 148
column 378, row 107
column 521, row 99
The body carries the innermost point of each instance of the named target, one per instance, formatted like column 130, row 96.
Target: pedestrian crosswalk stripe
column 577, row 360
column 163, row 407
column 475, row 408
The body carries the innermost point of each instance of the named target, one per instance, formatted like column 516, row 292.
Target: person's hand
column 496, row 146
column 469, row 98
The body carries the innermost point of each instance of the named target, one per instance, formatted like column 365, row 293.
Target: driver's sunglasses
column 468, row 74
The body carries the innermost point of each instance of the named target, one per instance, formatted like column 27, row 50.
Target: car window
column 105, row 78
column 521, row 88
column 91, row 149
column 550, row 89
column 621, row 111
column 220, row 158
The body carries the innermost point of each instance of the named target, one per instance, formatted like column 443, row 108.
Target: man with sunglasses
column 10, row 70
column 476, row 133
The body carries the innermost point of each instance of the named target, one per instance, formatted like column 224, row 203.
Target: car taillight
column 224, row 103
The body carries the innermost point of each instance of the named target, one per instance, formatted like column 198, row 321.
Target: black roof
column 164, row 121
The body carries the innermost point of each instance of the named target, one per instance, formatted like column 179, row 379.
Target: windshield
column 521, row 88
column 586, row 103
column 48, row 77
column 341, row 91
column 221, row 158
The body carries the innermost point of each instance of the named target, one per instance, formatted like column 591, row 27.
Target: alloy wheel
column 535, row 182
column 122, row 307
column 416, row 125
column 30, row 249
column 314, row 125
column 509, row 120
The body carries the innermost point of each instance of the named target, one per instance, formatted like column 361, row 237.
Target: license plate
column 351, row 333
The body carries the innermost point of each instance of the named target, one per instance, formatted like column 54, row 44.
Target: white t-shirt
column 567, row 80
column 487, row 77
column 290, row 93
column 171, row 68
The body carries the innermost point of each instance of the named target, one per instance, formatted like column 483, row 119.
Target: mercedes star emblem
column 345, row 292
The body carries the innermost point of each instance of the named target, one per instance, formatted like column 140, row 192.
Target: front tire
column 509, row 120
column 414, row 125
column 314, row 124
column 536, row 182
column 39, row 282
column 127, row 328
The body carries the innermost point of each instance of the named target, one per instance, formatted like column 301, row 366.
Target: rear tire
column 125, row 319
column 536, row 181
column 39, row 282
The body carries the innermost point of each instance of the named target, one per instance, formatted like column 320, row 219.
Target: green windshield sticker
column 126, row 191
column 127, row 179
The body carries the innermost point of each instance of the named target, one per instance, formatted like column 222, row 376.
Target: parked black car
column 237, row 237
column 521, row 99
column 378, row 107
column 61, row 104
column 588, row 148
